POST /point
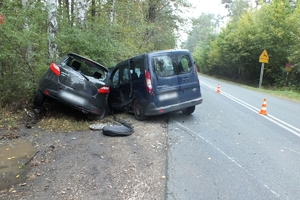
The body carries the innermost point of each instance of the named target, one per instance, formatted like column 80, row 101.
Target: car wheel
column 189, row 110
column 138, row 111
column 39, row 99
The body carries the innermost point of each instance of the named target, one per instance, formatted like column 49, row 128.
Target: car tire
column 138, row 111
column 189, row 110
column 92, row 116
column 39, row 99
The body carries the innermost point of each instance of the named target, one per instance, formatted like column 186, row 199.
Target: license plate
column 71, row 97
column 167, row 96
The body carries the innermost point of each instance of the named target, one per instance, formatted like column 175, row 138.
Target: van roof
column 153, row 53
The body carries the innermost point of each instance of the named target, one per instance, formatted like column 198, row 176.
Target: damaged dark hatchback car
column 77, row 82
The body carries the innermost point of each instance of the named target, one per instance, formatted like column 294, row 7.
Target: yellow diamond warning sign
column 264, row 57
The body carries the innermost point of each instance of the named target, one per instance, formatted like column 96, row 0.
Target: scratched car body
column 155, row 83
column 77, row 82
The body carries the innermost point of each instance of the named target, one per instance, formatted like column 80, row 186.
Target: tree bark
column 112, row 11
column 52, row 29
column 80, row 12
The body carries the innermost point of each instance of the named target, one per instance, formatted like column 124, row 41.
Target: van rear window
column 171, row 64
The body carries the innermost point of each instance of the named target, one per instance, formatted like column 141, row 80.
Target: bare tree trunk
column 28, row 52
column 52, row 29
column 80, row 12
column 67, row 4
column 112, row 11
column 93, row 10
column 72, row 12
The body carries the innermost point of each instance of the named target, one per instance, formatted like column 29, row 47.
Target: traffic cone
column 263, row 110
column 219, row 88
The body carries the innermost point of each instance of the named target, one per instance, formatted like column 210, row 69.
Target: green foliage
column 203, row 31
column 24, row 53
column 21, row 34
column 236, row 50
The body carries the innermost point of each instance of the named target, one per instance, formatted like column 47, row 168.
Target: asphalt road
column 227, row 150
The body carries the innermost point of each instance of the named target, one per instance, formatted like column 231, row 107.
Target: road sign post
column 263, row 58
column 261, row 74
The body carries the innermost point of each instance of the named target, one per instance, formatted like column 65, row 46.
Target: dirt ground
column 90, row 165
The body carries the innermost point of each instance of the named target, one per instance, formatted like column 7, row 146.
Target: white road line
column 191, row 132
column 271, row 118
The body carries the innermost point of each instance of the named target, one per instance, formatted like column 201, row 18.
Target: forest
column 232, row 51
column 33, row 33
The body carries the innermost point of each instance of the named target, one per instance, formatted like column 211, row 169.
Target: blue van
column 155, row 83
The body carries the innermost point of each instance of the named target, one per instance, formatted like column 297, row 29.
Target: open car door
column 121, row 89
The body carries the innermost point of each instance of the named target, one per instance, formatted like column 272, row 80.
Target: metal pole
column 261, row 74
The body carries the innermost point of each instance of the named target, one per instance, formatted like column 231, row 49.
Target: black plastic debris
column 122, row 128
column 117, row 130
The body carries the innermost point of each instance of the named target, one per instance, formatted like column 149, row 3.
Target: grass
column 55, row 117
column 10, row 118
column 289, row 94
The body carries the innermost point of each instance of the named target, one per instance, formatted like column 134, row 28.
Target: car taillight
column 104, row 90
column 46, row 92
column 148, row 82
column 55, row 69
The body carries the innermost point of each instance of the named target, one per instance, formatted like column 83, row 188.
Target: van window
column 171, row 64
column 185, row 64
column 163, row 66
column 136, row 68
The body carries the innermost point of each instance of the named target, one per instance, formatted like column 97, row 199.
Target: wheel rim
column 138, row 110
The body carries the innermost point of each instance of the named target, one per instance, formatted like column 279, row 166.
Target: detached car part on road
column 78, row 82
column 155, row 83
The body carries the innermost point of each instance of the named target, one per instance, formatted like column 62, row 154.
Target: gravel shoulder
column 89, row 165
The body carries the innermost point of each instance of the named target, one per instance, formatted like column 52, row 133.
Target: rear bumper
column 84, row 104
column 153, row 110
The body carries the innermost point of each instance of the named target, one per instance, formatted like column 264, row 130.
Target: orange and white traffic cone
column 263, row 110
column 219, row 88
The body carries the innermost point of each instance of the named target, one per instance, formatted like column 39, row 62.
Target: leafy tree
column 106, row 31
column 236, row 50
column 22, row 29
column 204, row 29
column 236, row 7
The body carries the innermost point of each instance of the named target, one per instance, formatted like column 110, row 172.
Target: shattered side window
column 125, row 78
column 115, row 79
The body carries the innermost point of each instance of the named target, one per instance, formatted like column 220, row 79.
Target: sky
column 203, row 6
column 207, row 6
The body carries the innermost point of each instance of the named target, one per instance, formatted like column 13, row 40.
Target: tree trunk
column 112, row 11
column 93, row 9
column 80, row 12
column 52, row 29
column 28, row 53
